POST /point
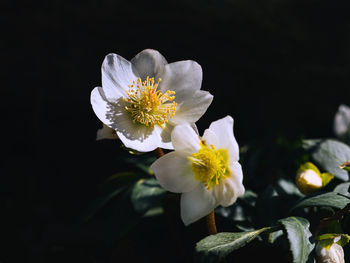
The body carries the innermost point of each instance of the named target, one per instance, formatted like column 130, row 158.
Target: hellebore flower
column 329, row 253
column 342, row 121
column 309, row 179
column 204, row 169
column 143, row 99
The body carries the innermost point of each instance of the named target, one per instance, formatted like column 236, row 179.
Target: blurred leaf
column 131, row 151
column 298, row 234
column 330, row 199
column 154, row 211
column 112, row 187
column 329, row 154
column 216, row 247
column 142, row 162
column 287, row 187
column 145, row 194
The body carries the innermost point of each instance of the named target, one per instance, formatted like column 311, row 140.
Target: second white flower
column 204, row 169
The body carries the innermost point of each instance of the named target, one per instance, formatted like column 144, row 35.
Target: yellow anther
column 148, row 105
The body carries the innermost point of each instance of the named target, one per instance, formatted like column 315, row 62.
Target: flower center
column 149, row 106
column 210, row 165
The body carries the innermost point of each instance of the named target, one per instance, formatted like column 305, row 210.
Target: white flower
column 329, row 254
column 342, row 121
column 143, row 99
column 106, row 133
column 204, row 169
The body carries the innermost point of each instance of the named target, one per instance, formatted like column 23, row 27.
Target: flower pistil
column 210, row 165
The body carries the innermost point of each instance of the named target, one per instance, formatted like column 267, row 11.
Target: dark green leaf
column 216, row 247
column 342, row 189
column 239, row 210
column 330, row 199
column 298, row 233
column 145, row 194
column 329, row 154
column 111, row 188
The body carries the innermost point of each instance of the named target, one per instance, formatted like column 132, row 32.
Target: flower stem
column 336, row 217
column 211, row 223
column 159, row 152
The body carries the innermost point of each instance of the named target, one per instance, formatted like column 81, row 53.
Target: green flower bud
column 326, row 253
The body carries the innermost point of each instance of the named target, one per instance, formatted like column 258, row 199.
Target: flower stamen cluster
column 149, row 106
column 209, row 165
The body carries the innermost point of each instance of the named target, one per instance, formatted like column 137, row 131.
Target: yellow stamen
column 209, row 165
column 149, row 106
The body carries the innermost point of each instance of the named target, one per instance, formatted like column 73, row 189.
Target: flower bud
column 345, row 166
column 329, row 254
column 309, row 179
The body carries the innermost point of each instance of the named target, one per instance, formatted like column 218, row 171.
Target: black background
column 278, row 67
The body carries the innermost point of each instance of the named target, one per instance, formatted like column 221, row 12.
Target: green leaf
column 298, row 233
column 330, row 199
column 111, row 188
column 329, row 154
column 216, row 247
column 145, row 194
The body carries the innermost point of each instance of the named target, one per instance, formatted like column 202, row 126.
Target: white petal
column 137, row 136
column 149, row 63
column 192, row 107
column 185, row 139
column 342, row 120
column 134, row 135
column 223, row 129
column 229, row 189
column 183, row 77
column 165, row 135
column 196, row 204
column 100, row 105
column 106, row 133
column 117, row 74
column 174, row 172
column 209, row 137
